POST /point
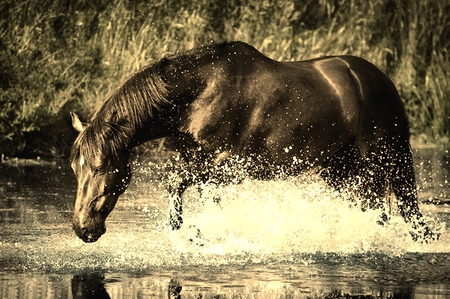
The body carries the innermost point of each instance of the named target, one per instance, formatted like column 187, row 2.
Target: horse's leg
column 347, row 170
column 176, row 200
column 224, row 170
column 176, row 203
column 340, row 167
column 372, row 185
column 182, row 177
column 404, row 187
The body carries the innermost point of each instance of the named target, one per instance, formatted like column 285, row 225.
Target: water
column 284, row 239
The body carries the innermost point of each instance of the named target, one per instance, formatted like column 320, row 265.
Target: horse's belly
column 308, row 139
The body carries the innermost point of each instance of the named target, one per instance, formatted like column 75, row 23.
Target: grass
column 61, row 56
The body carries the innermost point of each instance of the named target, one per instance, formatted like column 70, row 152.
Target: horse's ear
column 76, row 122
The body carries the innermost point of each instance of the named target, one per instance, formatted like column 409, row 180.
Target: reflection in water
column 92, row 285
column 174, row 289
column 89, row 286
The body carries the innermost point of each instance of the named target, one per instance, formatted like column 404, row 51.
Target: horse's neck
column 163, row 121
column 155, row 127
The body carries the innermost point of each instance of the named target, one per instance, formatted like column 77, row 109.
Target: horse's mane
column 137, row 97
column 135, row 101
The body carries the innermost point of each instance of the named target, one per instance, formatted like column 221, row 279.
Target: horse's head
column 100, row 161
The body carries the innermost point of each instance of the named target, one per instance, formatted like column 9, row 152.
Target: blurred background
column 58, row 56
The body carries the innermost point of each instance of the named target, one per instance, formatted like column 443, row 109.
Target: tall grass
column 57, row 56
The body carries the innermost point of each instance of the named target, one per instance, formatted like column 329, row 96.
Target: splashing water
column 301, row 215
column 253, row 222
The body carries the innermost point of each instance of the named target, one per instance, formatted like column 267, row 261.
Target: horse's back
column 337, row 100
column 308, row 109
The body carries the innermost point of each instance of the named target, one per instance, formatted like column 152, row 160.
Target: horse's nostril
column 83, row 232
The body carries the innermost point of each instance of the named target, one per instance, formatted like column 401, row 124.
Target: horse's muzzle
column 89, row 235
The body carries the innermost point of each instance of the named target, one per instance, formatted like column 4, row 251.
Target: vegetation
column 60, row 56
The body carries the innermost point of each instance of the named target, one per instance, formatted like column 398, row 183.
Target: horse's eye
column 98, row 170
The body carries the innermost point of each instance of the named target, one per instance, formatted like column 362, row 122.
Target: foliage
column 58, row 56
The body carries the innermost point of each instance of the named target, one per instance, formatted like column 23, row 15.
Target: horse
column 338, row 114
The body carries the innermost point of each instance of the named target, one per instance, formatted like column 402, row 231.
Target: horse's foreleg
column 176, row 203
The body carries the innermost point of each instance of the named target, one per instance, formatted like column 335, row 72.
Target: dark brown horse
column 340, row 114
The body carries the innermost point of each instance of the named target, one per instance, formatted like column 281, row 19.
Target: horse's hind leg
column 341, row 167
column 364, row 177
column 372, row 182
column 404, row 187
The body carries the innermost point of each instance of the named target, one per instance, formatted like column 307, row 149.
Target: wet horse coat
column 228, row 100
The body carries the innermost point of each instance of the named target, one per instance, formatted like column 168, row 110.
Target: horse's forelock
column 96, row 139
